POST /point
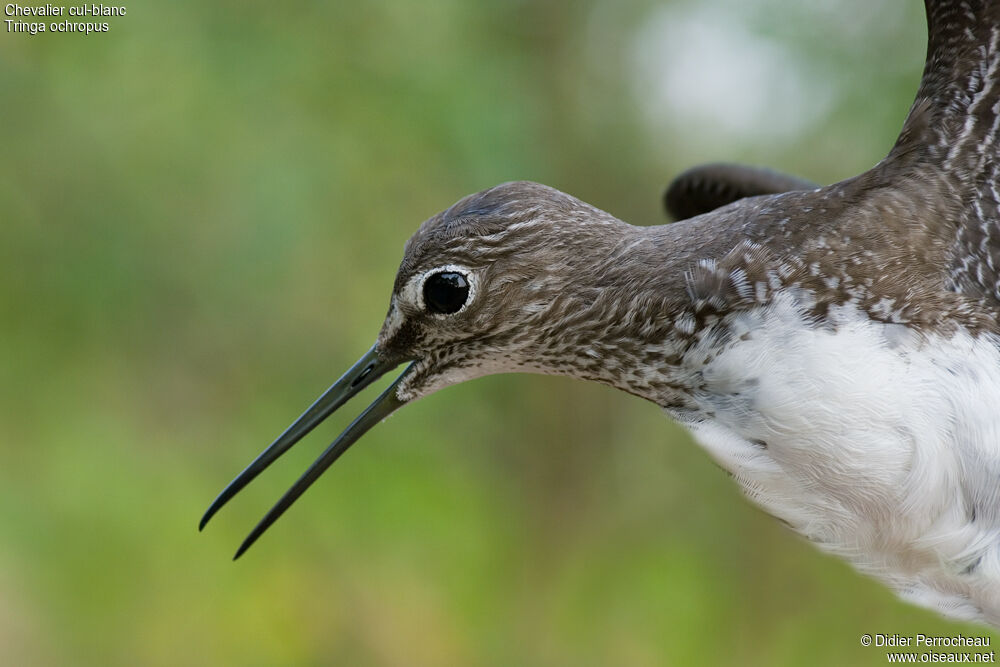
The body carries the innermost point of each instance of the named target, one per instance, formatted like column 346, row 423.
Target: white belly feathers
column 877, row 442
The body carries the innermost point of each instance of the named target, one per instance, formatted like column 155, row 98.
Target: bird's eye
column 446, row 292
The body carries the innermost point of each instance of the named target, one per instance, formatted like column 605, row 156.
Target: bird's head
column 482, row 283
column 486, row 286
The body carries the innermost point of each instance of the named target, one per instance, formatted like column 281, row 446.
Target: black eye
column 446, row 292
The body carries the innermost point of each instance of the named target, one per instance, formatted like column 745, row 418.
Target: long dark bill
column 367, row 369
column 381, row 407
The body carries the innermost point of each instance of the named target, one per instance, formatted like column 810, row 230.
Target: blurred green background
column 201, row 213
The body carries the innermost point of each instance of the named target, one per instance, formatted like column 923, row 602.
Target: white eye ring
column 413, row 291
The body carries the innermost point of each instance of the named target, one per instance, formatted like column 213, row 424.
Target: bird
column 835, row 349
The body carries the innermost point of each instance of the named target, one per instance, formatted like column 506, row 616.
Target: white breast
column 877, row 442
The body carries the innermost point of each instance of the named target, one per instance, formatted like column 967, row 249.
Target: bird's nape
column 369, row 368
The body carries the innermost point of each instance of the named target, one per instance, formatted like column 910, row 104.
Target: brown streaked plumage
column 836, row 349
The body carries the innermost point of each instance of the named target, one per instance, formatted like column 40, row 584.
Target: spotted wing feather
column 952, row 130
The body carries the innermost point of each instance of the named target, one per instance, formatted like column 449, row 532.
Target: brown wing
column 951, row 133
column 708, row 187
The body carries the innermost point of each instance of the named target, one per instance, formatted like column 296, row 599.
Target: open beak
column 368, row 368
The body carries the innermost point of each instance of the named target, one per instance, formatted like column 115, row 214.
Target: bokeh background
column 201, row 213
